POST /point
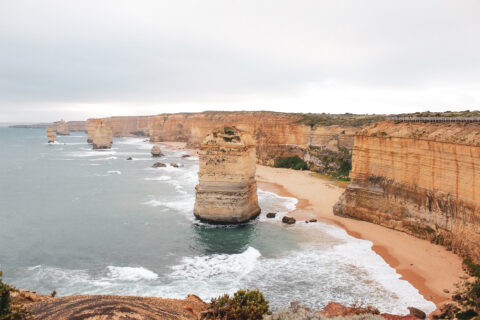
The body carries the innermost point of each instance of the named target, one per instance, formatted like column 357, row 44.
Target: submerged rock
column 227, row 190
column 156, row 152
column 288, row 220
column 186, row 156
column 129, row 158
column 271, row 215
column 159, row 165
column 312, row 220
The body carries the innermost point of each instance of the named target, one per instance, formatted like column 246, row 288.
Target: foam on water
column 159, row 178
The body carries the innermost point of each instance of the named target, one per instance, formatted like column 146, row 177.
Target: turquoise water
column 79, row 221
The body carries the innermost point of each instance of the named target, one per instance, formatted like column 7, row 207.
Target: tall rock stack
column 51, row 136
column 102, row 139
column 62, row 128
column 227, row 190
column 91, row 127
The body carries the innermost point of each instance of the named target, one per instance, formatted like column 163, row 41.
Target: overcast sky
column 78, row 59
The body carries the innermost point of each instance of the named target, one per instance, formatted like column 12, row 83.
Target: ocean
column 80, row 221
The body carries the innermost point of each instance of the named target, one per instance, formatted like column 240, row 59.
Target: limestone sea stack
column 102, row 138
column 62, row 128
column 91, row 127
column 51, row 136
column 156, row 152
column 227, row 190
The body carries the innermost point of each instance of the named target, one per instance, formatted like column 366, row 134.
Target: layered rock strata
column 91, row 128
column 51, row 135
column 227, row 190
column 325, row 148
column 419, row 178
column 102, row 139
column 61, row 128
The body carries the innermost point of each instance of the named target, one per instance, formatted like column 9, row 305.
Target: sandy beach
column 429, row 267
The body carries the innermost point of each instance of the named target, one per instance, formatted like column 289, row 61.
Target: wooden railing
column 434, row 119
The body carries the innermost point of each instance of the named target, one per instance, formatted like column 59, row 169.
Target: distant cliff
column 325, row 146
column 421, row 178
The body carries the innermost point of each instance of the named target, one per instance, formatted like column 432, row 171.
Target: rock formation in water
column 91, row 128
column 61, row 128
column 156, row 151
column 51, row 136
column 325, row 146
column 227, row 190
column 421, row 178
column 102, row 139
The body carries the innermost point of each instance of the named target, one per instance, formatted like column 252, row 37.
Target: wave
column 160, row 178
column 217, row 267
column 184, row 205
column 103, row 159
column 129, row 274
column 114, row 172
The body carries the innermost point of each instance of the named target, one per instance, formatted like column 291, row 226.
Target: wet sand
column 428, row 267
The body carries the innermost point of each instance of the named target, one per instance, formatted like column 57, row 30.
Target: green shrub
column 7, row 311
column 244, row 305
column 229, row 130
column 469, row 314
column 294, row 162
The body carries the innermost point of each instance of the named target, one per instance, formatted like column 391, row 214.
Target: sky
column 77, row 59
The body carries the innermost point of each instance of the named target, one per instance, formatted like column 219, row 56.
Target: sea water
column 80, row 221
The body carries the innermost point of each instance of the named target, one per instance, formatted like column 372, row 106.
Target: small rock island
column 227, row 190
column 51, row 135
column 102, row 138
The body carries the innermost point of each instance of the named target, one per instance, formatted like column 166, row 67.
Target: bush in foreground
column 7, row 311
column 244, row 305
column 294, row 162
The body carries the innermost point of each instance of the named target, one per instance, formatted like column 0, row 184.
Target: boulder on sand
column 159, row 165
column 156, row 152
column 288, row 220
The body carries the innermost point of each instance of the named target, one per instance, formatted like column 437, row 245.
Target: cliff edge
column 421, row 178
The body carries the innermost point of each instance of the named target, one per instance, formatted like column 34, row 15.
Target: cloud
column 88, row 58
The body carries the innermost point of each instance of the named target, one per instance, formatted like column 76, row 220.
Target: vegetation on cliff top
column 7, row 311
column 347, row 119
column 243, row 305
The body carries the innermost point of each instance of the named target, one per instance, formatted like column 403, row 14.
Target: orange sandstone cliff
column 324, row 148
column 421, row 178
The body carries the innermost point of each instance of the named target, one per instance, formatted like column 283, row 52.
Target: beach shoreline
column 430, row 268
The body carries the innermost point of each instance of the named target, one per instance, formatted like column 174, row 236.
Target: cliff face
column 276, row 134
column 61, row 128
column 419, row 178
column 324, row 148
column 102, row 139
column 227, row 190
column 77, row 125
column 124, row 126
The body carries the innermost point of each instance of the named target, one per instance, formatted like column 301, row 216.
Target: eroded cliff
column 421, row 178
column 61, row 127
column 227, row 190
column 326, row 147
column 102, row 138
